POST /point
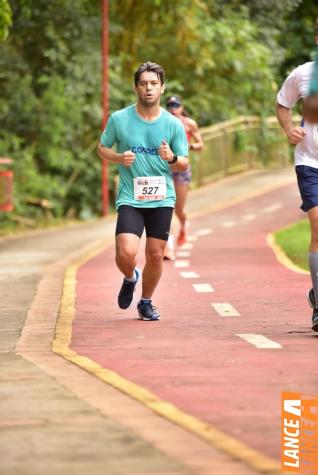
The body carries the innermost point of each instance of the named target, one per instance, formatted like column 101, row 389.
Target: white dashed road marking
column 202, row 288
column 204, row 232
column 272, row 208
column 183, row 254
column 249, row 217
column 228, row 224
column 181, row 263
column 189, row 275
column 225, row 310
column 187, row 246
column 260, row 341
column 192, row 238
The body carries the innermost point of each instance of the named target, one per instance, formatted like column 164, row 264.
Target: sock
column 132, row 279
column 313, row 266
column 142, row 300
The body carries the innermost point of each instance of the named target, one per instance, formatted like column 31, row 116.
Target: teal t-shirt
column 129, row 131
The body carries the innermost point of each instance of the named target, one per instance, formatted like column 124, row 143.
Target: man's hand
column 127, row 158
column 165, row 151
column 295, row 135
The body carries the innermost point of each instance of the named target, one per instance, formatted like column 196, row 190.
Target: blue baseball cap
column 173, row 102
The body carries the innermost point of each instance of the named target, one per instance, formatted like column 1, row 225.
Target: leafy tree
column 225, row 57
column 49, row 101
column 215, row 61
column 297, row 36
column 5, row 19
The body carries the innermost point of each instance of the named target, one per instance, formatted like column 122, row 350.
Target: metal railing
column 240, row 144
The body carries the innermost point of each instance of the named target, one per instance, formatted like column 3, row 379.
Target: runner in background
column 182, row 179
column 302, row 83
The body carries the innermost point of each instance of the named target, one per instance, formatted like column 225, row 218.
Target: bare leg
column 153, row 267
column 181, row 194
column 126, row 251
column 313, row 219
column 313, row 263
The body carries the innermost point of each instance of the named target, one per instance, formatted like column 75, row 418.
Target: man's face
column 149, row 89
column 176, row 111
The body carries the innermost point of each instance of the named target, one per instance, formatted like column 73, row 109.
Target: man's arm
column 294, row 134
column 197, row 145
column 126, row 159
column 167, row 155
column 181, row 164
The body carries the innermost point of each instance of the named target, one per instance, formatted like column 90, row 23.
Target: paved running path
column 193, row 357
column 59, row 419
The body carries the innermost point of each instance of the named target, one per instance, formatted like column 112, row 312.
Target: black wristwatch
column 174, row 160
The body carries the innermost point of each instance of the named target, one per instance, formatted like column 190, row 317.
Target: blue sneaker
column 126, row 293
column 147, row 311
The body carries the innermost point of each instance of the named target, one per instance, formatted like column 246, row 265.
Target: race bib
column 150, row 188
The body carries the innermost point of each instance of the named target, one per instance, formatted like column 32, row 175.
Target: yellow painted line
column 63, row 329
column 215, row 437
column 281, row 256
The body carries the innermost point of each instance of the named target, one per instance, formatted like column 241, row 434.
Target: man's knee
column 154, row 256
column 125, row 254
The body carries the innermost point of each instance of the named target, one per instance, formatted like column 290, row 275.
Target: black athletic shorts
column 156, row 221
column 307, row 178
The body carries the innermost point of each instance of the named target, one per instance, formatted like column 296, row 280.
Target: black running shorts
column 307, row 178
column 156, row 221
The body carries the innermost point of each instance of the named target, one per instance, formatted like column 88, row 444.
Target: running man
column 305, row 137
column 150, row 143
column 182, row 178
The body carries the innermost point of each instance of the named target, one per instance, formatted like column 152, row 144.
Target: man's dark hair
column 152, row 67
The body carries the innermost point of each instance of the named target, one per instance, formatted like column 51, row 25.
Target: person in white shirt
column 305, row 137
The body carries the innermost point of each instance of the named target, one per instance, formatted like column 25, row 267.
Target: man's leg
column 129, row 228
column 126, row 251
column 313, row 262
column 153, row 267
column 181, row 197
column 157, row 224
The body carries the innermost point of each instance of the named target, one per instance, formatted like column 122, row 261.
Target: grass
column 294, row 241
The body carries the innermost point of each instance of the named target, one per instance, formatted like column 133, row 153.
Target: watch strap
column 174, row 160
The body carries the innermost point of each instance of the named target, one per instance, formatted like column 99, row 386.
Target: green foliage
column 5, row 19
column 225, row 58
column 294, row 241
column 297, row 36
column 217, row 63
column 50, row 105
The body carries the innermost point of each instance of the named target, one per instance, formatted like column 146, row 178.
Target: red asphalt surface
column 192, row 357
